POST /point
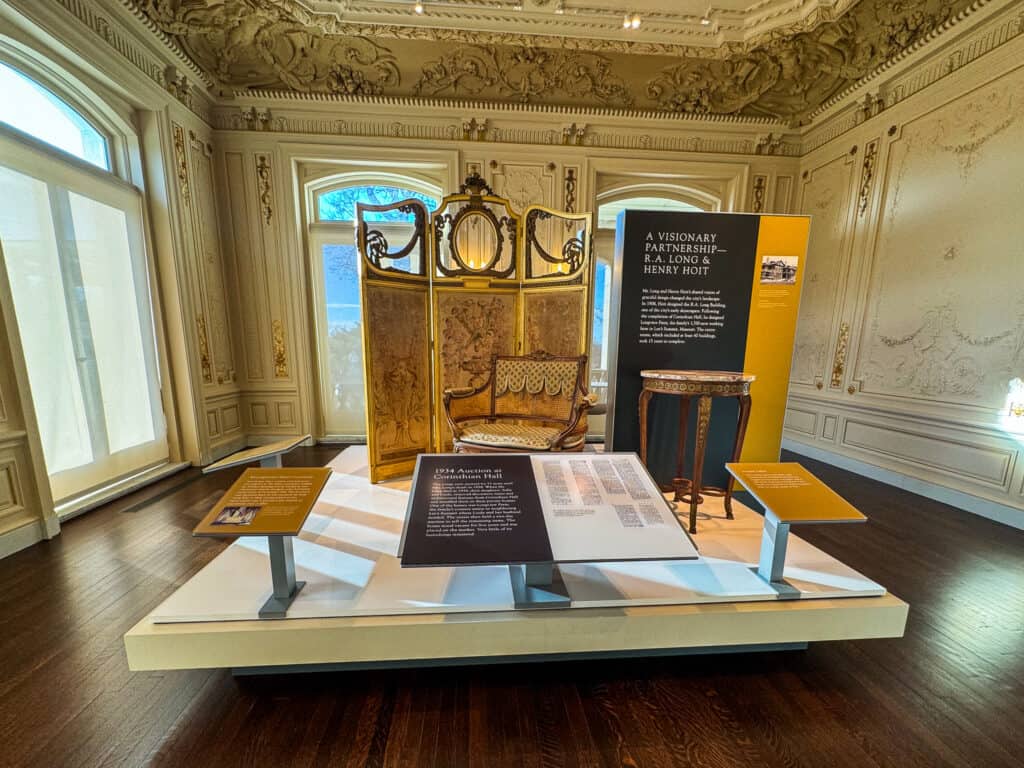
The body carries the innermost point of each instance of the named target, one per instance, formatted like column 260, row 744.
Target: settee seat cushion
column 503, row 434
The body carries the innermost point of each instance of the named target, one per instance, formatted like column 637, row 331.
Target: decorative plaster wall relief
column 523, row 74
column 399, row 371
column 554, row 322
column 945, row 310
column 525, row 185
column 826, row 197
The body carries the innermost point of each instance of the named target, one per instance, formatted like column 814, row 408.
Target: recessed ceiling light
column 418, row 7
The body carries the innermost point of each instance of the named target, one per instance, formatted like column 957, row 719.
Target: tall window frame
column 81, row 193
column 321, row 234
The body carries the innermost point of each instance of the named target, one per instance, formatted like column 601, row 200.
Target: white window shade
column 74, row 253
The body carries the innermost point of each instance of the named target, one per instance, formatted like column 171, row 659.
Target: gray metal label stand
column 282, row 573
column 538, row 585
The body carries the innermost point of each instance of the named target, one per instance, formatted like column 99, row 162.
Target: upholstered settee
column 535, row 402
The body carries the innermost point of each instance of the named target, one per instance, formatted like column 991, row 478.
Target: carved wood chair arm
column 579, row 410
column 459, row 392
column 465, row 403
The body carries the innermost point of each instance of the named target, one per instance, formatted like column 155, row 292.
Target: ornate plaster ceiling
column 668, row 26
column 789, row 57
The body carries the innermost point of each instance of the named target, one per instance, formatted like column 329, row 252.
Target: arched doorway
column 335, row 268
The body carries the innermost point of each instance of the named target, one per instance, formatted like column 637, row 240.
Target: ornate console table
column 703, row 385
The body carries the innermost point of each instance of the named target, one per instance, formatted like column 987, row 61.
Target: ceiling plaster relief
column 280, row 45
column 670, row 28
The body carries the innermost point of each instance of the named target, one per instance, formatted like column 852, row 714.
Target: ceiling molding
column 669, row 28
column 281, row 45
column 434, row 123
column 470, row 105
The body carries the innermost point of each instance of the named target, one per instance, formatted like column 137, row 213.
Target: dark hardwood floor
column 950, row 693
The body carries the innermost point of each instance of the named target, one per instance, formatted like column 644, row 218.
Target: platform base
column 536, row 658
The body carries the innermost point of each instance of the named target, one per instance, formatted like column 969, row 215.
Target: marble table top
column 710, row 377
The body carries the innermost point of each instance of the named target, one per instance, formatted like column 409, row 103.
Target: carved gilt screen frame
column 437, row 324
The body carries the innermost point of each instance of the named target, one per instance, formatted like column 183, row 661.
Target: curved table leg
column 684, row 425
column 645, row 398
column 703, row 422
column 737, row 449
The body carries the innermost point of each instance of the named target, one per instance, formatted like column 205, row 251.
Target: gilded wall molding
column 180, row 161
column 757, row 195
column 203, row 341
column 264, row 188
column 867, row 176
column 569, row 195
column 280, row 351
column 839, row 361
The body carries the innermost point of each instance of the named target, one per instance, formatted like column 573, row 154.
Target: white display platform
column 346, row 554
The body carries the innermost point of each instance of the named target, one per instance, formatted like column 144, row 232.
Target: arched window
column 32, row 109
column 335, row 269
column 73, row 241
column 609, row 212
column 339, row 204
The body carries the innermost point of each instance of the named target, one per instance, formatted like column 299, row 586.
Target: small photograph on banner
column 779, row 270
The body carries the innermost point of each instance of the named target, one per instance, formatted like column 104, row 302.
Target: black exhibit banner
column 464, row 511
column 705, row 291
